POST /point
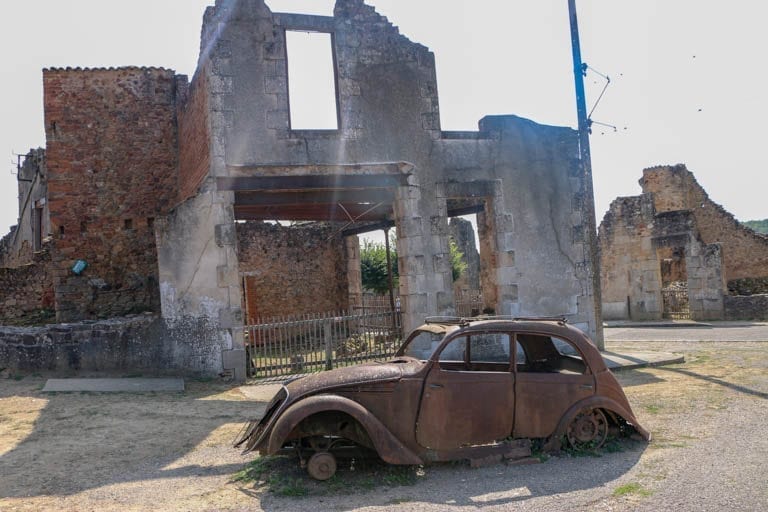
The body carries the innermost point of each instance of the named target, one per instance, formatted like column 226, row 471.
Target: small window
column 311, row 81
column 128, row 224
column 150, row 222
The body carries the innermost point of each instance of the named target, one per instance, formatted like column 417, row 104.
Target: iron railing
column 675, row 304
column 309, row 343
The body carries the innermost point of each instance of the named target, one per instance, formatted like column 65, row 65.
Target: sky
column 688, row 78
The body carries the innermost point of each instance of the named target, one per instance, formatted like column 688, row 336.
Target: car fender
column 599, row 402
column 390, row 448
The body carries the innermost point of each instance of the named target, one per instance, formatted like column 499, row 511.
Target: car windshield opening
column 423, row 345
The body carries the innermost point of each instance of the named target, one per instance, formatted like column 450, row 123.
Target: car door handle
column 435, row 386
column 585, row 386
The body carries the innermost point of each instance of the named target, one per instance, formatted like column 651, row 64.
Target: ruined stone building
column 156, row 194
column 674, row 253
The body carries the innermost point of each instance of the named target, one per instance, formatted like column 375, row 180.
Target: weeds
column 631, row 488
column 282, row 476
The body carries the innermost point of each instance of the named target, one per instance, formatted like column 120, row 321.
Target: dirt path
column 171, row 451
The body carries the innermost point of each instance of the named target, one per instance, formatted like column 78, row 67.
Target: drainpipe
column 586, row 166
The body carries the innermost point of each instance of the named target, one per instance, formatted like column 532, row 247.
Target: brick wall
column 194, row 137
column 111, row 156
column 292, row 270
column 745, row 252
column 26, row 292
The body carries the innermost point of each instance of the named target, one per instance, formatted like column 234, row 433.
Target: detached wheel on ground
column 321, row 465
column 588, row 430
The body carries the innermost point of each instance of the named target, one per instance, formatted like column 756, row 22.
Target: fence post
column 328, row 338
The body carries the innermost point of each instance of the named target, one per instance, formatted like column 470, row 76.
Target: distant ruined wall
column 291, row 270
column 745, row 252
column 17, row 248
column 111, row 160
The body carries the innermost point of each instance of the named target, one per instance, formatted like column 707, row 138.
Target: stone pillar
column 706, row 283
column 354, row 276
column 424, row 263
column 485, row 236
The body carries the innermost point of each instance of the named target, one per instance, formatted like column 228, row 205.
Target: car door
column 550, row 377
column 468, row 396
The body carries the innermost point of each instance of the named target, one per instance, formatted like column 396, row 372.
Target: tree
column 373, row 265
column 761, row 226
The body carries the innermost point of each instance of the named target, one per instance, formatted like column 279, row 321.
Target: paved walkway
column 687, row 331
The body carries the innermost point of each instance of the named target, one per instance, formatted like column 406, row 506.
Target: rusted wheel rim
column 588, row 430
column 321, row 466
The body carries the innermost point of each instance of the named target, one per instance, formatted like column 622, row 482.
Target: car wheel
column 588, row 430
column 321, row 465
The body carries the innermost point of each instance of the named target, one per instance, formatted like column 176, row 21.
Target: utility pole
column 579, row 69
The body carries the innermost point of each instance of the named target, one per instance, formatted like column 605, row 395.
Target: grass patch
column 631, row 488
column 282, row 476
column 653, row 408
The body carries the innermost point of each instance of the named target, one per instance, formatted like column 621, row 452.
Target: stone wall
column 751, row 307
column 194, row 135
column 111, row 160
column 127, row 344
column 26, row 292
column 290, row 270
column 33, row 227
column 745, row 252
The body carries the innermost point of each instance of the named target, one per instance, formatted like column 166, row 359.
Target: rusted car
column 456, row 389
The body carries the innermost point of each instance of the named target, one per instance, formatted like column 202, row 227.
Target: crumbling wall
column 291, row 270
column 26, row 292
column 111, row 160
column 745, row 252
column 194, row 135
column 629, row 269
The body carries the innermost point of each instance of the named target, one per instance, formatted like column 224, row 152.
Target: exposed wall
column 194, row 135
column 745, row 252
column 111, row 160
column 746, row 307
column 292, row 269
column 26, row 292
column 637, row 242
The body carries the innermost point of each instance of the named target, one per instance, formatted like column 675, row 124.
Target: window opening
column 311, row 81
column 128, row 224
column 545, row 354
column 37, row 228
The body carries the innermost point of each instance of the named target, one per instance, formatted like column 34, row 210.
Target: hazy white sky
column 689, row 79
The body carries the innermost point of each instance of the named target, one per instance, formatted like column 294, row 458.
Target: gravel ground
column 170, row 452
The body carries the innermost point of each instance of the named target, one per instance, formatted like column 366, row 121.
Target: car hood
column 352, row 376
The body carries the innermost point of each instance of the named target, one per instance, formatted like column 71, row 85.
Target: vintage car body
column 457, row 389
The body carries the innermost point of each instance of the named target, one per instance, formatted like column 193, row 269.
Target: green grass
column 631, row 488
column 653, row 408
column 282, row 476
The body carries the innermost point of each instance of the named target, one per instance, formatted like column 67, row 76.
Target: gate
column 675, row 303
column 310, row 343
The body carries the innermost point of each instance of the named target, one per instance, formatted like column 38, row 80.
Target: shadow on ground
column 64, row 443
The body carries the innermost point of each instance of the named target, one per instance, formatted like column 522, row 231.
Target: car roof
column 553, row 326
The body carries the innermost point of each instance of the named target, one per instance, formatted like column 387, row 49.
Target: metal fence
column 309, row 343
column 675, row 303
column 469, row 303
